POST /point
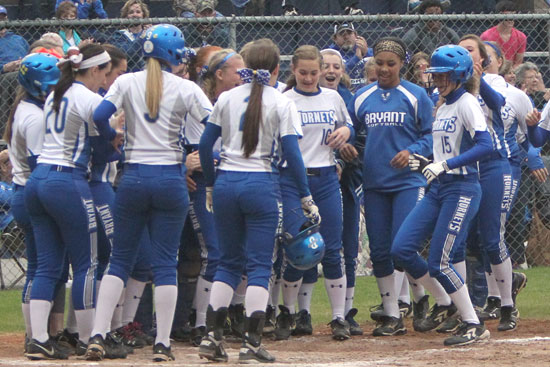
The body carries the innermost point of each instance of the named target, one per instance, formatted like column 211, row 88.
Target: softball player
column 460, row 139
column 58, row 197
column 24, row 133
column 397, row 115
column 246, row 198
column 496, row 185
column 153, row 189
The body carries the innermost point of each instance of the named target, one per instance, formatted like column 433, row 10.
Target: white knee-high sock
column 460, row 268
column 462, row 301
column 221, row 295
column 109, row 294
column 84, row 323
column 166, row 297
column 40, row 311
column 240, row 292
column 202, row 299
column 492, row 287
column 402, row 285
column 388, row 292
column 116, row 321
column 290, row 294
column 26, row 309
column 418, row 290
column 436, row 289
column 336, row 290
column 503, row 277
column 132, row 297
column 255, row 299
column 350, row 293
column 304, row 296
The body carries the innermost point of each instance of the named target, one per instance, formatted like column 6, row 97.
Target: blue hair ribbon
column 261, row 76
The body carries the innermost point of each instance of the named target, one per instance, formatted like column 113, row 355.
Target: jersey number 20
column 59, row 123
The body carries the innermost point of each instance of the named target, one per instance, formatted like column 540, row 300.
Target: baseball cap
column 3, row 10
column 202, row 5
column 343, row 27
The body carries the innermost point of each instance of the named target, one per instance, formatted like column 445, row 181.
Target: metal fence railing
column 529, row 223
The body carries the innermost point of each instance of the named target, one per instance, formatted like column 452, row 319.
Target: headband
column 261, row 76
column 393, row 47
column 224, row 60
column 499, row 54
column 96, row 60
column 75, row 58
column 333, row 52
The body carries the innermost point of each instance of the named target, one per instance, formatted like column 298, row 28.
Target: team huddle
column 273, row 177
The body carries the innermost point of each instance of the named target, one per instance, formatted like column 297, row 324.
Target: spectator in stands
column 354, row 50
column 512, row 41
column 429, row 35
column 86, row 9
column 6, row 189
column 349, row 7
column 529, row 80
column 12, row 47
column 369, row 72
column 55, row 40
column 199, row 35
column 416, row 74
column 66, row 10
column 507, row 72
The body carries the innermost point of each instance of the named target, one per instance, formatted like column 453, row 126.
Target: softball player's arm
column 34, row 135
column 211, row 133
column 343, row 118
column 424, row 145
column 110, row 104
column 539, row 131
column 198, row 105
column 492, row 98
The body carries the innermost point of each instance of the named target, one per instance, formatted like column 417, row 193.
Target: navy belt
column 319, row 171
column 66, row 169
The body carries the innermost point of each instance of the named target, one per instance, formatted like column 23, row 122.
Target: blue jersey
column 395, row 119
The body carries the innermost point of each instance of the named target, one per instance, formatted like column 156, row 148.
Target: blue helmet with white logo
column 38, row 73
column 306, row 249
column 164, row 42
column 452, row 59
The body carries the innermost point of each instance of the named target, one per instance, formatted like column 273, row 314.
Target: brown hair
column 117, row 55
column 261, row 54
column 409, row 74
column 480, row 45
column 20, row 94
column 128, row 4
column 200, row 60
column 306, row 52
column 209, row 82
column 64, row 7
column 67, row 74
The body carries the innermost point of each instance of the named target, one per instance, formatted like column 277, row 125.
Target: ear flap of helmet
column 306, row 249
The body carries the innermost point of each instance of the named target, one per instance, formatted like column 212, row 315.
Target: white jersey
column 545, row 117
column 67, row 134
column 320, row 114
column 279, row 118
column 454, row 128
column 157, row 141
column 27, row 137
column 514, row 113
column 280, row 86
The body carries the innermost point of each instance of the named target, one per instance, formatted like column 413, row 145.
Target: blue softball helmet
column 38, row 73
column 453, row 59
column 306, row 249
column 164, row 42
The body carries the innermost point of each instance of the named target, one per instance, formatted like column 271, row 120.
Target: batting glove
column 311, row 211
column 209, row 205
column 433, row 170
column 418, row 162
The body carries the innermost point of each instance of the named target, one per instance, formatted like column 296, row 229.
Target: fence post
column 233, row 35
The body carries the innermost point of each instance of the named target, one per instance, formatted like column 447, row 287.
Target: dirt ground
column 529, row 345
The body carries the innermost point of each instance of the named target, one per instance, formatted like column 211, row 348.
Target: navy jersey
column 395, row 119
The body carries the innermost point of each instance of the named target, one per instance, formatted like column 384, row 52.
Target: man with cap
column 426, row 36
column 199, row 35
column 12, row 47
column 354, row 50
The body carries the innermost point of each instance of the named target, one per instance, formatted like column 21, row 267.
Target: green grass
column 532, row 302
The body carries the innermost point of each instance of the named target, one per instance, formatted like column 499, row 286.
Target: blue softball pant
column 104, row 199
column 152, row 196
column 248, row 215
column 351, row 185
column 325, row 190
column 384, row 215
column 204, row 227
column 21, row 216
column 446, row 211
column 62, row 214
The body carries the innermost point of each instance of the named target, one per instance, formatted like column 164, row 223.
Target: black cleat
column 390, row 326
column 96, row 349
column 236, row 318
column 161, row 353
column 450, row 325
column 212, row 349
column 437, row 315
column 405, row 309
column 420, row 310
column 251, row 354
column 251, row 349
column 80, row 349
column 377, row 312
column 197, row 334
column 303, row 324
column 270, row 320
column 519, row 281
column 340, row 329
column 46, row 350
column 285, row 323
column 67, row 340
column 354, row 328
column 508, row 318
column 467, row 334
column 491, row 311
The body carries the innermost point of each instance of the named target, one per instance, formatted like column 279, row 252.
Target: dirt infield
column 527, row 346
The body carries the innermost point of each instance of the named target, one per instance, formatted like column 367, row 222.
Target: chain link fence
column 528, row 230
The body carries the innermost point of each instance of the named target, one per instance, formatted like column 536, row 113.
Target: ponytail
column 153, row 87
column 65, row 81
column 252, row 118
column 21, row 93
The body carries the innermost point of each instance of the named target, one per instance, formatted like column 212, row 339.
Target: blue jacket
column 354, row 65
column 85, row 10
column 12, row 47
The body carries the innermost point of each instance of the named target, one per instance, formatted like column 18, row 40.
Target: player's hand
column 311, row 211
column 433, row 170
column 209, row 202
column 86, row 42
column 348, row 152
column 540, row 174
column 401, row 159
column 418, row 162
column 478, row 70
column 191, row 184
column 338, row 137
column 362, row 47
column 118, row 141
column 11, row 66
column 193, row 162
column 533, row 117
column 339, row 171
